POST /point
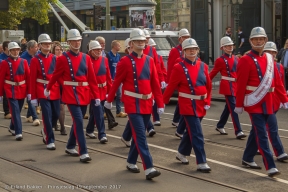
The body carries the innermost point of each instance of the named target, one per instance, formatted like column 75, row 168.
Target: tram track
column 94, row 150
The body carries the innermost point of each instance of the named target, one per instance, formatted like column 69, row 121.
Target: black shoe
column 152, row 175
column 63, row 131
column 133, row 170
column 56, row 128
column 112, row 125
column 151, row 133
column 251, row 165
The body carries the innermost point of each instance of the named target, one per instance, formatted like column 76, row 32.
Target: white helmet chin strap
column 14, row 56
column 194, row 55
column 258, row 46
column 228, row 50
column 96, row 55
column 138, row 46
column 77, row 48
column 44, row 48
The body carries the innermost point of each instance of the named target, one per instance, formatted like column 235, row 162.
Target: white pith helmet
column 151, row 42
column 13, row 45
column 257, row 32
column 73, row 34
column 146, row 32
column 137, row 34
column 270, row 46
column 126, row 43
column 94, row 45
column 226, row 41
column 44, row 38
column 189, row 43
column 184, row 32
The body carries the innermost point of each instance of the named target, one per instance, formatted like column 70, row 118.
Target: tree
column 20, row 9
column 158, row 12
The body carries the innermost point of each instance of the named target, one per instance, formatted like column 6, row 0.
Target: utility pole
column 108, row 21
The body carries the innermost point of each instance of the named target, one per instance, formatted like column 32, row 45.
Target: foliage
column 20, row 9
column 158, row 12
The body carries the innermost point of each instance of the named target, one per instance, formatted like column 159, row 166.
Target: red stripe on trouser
column 136, row 144
column 45, row 130
column 189, row 132
column 74, row 130
column 231, row 111
column 258, row 144
column 269, row 135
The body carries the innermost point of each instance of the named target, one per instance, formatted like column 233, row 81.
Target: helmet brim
column 138, row 38
column 270, row 49
column 191, row 46
column 74, row 38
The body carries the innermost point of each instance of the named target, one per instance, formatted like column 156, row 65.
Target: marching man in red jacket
column 138, row 74
column 104, row 83
column 226, row 65
column 258, row 81
column 75, row 70
column 41, row 70
column 14, row 80
column 191, row 79
column 271, row 126
column 174, row 54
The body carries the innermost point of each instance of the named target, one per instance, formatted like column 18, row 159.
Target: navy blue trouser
column 118, row 100
column 15, row 106
column 77, row 134
column 176, row 116
column 96, row 116
column 31, row 111
column 155, row 114
column 5, row 104
column 272, row 129
column 139, row 144
column 181, row 126
column 50, row 114
column 229, row 109
column 258, row 139
column 193, row 138
column 127, row 133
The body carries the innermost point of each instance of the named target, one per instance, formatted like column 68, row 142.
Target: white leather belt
column 72, row 83
column 196, row 97
column 228, row 78
column 15, row 83
column 252, row 88
column 137, row 95
column 102, row 85
column 42, row 81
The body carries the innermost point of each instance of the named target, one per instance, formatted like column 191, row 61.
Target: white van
column 165, row 40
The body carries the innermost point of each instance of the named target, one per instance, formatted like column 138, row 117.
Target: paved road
column 28, row 164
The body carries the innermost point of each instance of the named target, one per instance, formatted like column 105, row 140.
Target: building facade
column 124, row 14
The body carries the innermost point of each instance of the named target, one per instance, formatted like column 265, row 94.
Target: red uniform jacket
column 147, row 80
column 174, row 54
column 280, row 69
column 102, row 73
column 226, row 87
column 163, row 69
column 21, row 72
column 248, row 76
column 37, row 89
column 82, row 71
column 151, row 51
column 201, row 82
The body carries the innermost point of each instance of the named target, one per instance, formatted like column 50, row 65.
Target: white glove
column 238, row 110
column 28, row 97
column 34, row 102
column 46, row 93
column 153, row 102
column 0, row 98
column 108, row 105
column 206, row 107
column 281, row 105
column 160, row 111
column 163, row 85
column 97, row 102
column 106, row 96
column 285, row 105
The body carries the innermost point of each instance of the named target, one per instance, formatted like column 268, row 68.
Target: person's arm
column 33, row 78
column 155, row 86
column 243, row 69
column 108, row 76
column 27, row 77
column 208, row 86
column 216, row 69
column 173, row 84
column 92, row 79
column 58, row 72
column 3, row 69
